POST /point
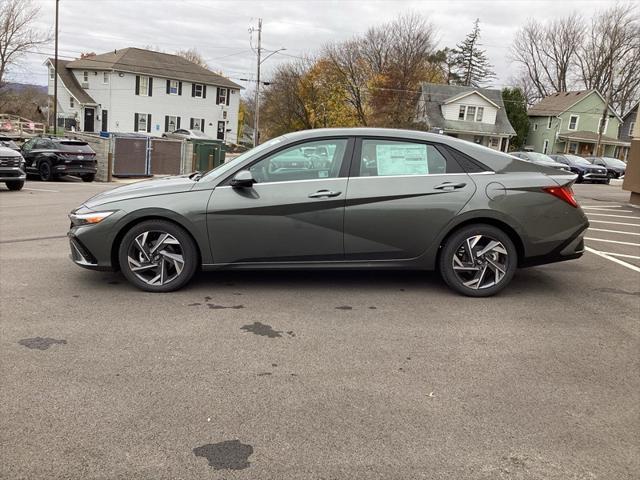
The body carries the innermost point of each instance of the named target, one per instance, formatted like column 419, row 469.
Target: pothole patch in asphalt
column 41, row 343
column 227, row 455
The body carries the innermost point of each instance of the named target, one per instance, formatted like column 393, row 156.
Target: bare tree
column 193, row 56
column 17, row 33
column 609, row 59
column 547, row 52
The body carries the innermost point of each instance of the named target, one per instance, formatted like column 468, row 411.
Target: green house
column 568, row 122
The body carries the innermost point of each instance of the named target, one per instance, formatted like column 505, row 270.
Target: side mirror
column 243, row 179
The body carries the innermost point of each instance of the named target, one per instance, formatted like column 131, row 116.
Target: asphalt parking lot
column 322, row 375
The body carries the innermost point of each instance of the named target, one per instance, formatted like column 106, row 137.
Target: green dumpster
column 207, row 154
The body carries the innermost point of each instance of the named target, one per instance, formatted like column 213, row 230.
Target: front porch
column 495, row 142
column 584, row 144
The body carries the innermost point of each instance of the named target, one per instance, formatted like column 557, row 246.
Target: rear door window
column 388, row 158
column 76, row 147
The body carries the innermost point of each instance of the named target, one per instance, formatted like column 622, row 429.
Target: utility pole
column 55, row 77
column 256, row 116
column 605, row 113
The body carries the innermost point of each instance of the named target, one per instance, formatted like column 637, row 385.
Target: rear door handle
column 450, row 186
column 324, row 193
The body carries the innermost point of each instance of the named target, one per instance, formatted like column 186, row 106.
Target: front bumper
column 12, row 174
column 594, row 176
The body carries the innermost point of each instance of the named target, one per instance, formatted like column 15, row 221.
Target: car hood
column 143, row 188
column 8, row 152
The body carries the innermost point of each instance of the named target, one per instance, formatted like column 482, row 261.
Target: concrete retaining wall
column 102, row 147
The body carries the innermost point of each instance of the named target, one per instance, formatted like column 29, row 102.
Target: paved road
column 313, row 375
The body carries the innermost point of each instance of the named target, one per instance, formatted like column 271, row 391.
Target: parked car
column 615, row 168
column 586, row 172
column 57, row 156
column 12, row 168
column 541, row 159
column 9, row 142
column 183, row 134
column 388, row 212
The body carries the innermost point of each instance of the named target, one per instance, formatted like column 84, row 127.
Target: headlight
column 90, row 218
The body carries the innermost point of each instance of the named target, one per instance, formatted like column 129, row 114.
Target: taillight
column 563, row 193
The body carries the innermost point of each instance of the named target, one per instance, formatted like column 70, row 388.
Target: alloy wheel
column 480, row 262
column 155, row 257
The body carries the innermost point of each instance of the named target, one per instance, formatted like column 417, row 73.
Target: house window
column 477, row 139
column 545, row 146
column 172, row 123
column 222, row 96
column 479, row 114
column 549, row 122
column 471, row 114
column 632, row 125
column 72, row 104
column 573, row 122
column 461, row 113
column 173, row 87
column 573, row 147
column 196, row 124
column 85, row 76
column 144, row 86
column 535, row 127
column 105, row 77
column 606, row 124
column 52, row 73
column 142, row 122
column 197, row 90
column 495, row 142
column 224, row 115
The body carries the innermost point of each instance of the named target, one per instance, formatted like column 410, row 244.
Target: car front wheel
column 158, row 256
column 15, row 185
column 478, row 260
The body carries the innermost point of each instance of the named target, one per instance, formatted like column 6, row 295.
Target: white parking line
column 607, row 209
column 41, row 190
column 613, row 259
column 612, row 241
column 622, row 255
column 615, row 223
column 609, row 215
column 602, row 205
column 613, row 231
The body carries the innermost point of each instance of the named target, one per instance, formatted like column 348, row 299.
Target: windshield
column 540, row 157
column 225, row 167
column 576, row 159
column 613, row 162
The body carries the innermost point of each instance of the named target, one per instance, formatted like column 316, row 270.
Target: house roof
column 147, row 62
column 71, row 84
column 558, row 103
column 591, row 137
column 435, row 95
column 632, row 111
column 460, row 96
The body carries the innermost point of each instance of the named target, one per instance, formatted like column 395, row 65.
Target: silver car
column 339, row 198
column 184, row 134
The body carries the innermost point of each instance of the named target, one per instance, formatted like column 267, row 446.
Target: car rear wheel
column 158, row 256
column 46, row 173
column 90, row 177
column 15, row 185
column 478, row 260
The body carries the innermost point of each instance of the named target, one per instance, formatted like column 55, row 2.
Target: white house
column 136, row 90
column 474, row 114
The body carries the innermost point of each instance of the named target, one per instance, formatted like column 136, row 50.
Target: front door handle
column 450, row 186
column 324, row 193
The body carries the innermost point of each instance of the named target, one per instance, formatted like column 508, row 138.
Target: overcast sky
column 219, row 30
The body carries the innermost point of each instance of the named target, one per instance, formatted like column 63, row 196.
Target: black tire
column 46, row 173
column 15, row 185
column 452, row 247
column 607, row 181
column 90, row 177
column 189, row 253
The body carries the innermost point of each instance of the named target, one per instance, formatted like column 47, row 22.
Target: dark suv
column 586, row 172
column 53, row 157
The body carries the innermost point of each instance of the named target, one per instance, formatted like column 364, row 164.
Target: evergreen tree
column 515, row 105
column 471, row 64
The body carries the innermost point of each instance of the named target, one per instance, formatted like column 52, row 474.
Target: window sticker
column 402, row 159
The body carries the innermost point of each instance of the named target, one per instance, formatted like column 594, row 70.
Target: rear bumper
column 74, row 170
column 569, row 250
